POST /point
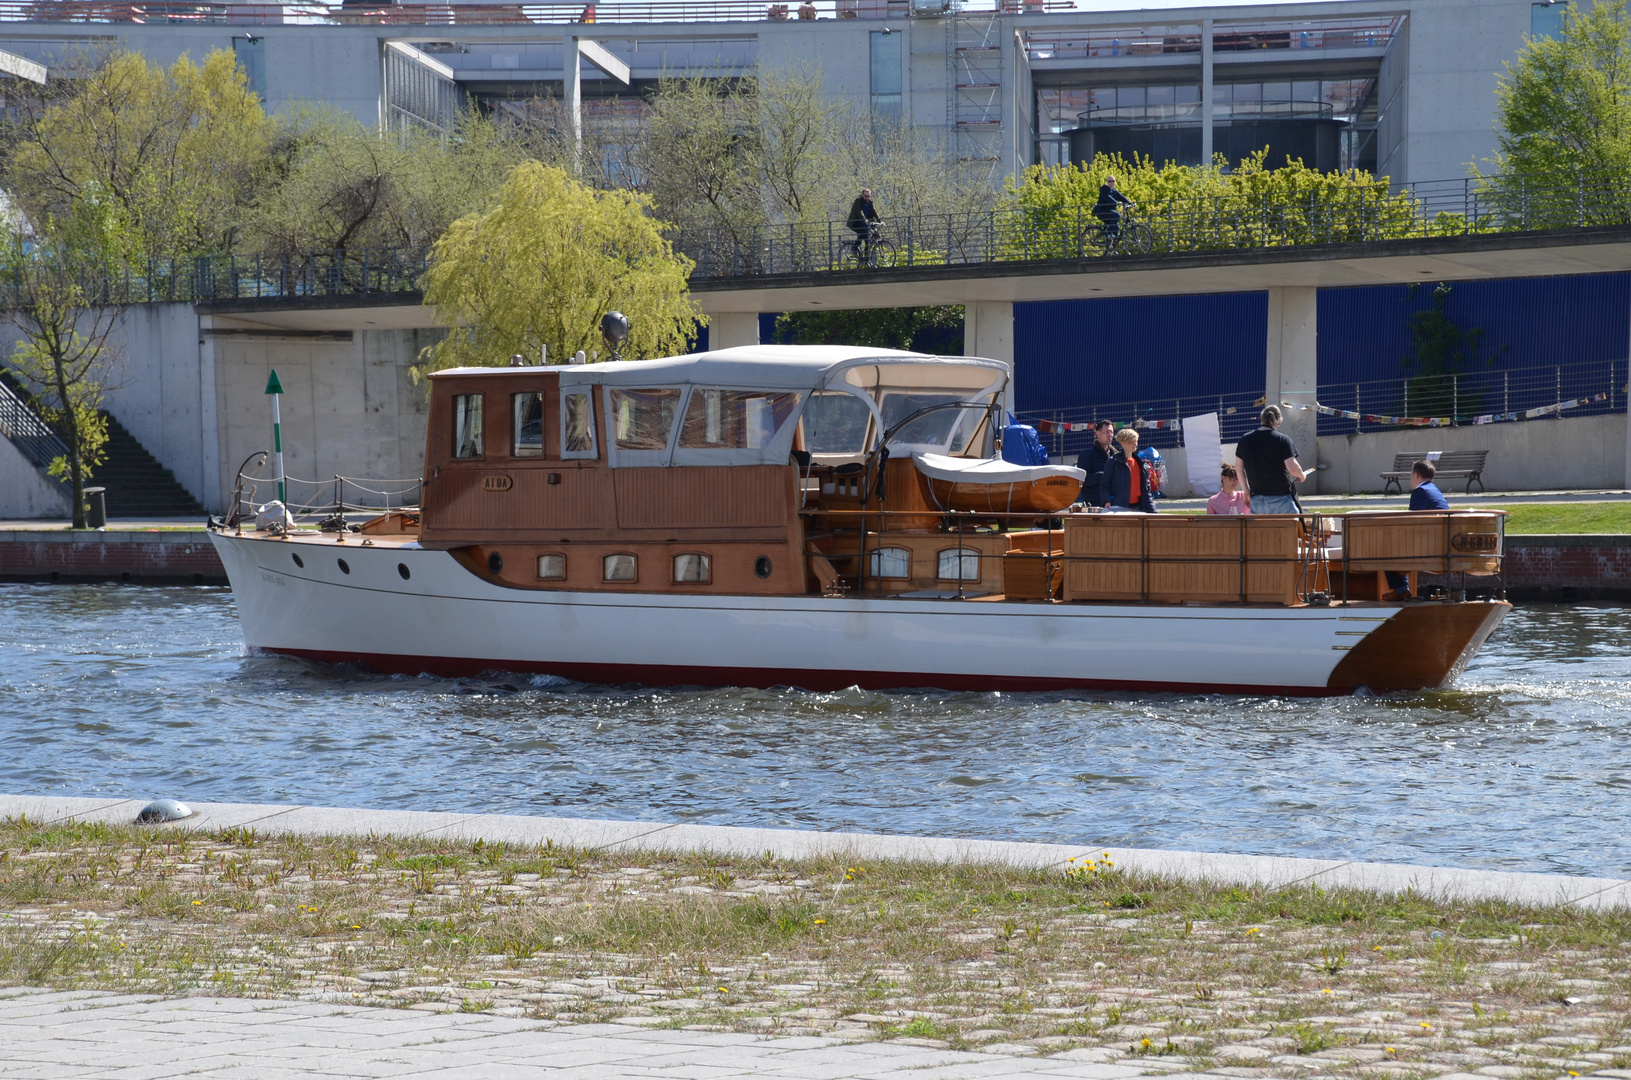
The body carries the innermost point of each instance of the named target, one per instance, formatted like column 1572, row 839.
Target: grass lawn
column 1197, row 976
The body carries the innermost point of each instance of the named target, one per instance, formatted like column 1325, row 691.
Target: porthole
column 495, row 563
column 298, row 561
column 761, row 566
column 344, row 569
column 402, row 568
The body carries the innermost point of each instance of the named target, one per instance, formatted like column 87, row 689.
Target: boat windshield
column 836, row 423
column 945, row 431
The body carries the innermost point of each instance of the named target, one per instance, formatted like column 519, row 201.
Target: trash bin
column 97, row 513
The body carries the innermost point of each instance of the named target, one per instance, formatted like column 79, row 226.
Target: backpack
column 1155, row 467
column 1021, row 446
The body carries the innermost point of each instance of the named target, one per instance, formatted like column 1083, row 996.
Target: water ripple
column 123, row 691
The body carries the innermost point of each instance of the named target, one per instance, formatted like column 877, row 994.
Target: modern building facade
column 1404, row 87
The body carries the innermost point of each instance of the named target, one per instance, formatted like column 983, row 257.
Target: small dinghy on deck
column 991, row 485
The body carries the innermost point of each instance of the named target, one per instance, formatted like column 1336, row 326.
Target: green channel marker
column 275, row 388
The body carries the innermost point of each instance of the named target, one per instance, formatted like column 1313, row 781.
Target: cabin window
column 693, row 568
column 958, row 564
column 467, row 425
column 551, row 567
column 735, row 419
column 619, row 568
column 836, row 423
column 642, row 419
column 890, row 562
column 947, row 429
column 528, row 431
column 577, row 424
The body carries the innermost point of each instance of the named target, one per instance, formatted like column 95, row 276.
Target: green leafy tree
column 1195, row 207
column 544, row 264
column 1565, row 120
column 170, row 155
column 58, row 278
column 1441, row 349
column 928, row 329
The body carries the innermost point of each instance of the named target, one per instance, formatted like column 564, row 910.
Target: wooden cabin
column 755, row 472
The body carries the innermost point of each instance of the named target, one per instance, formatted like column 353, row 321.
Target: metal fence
column 1196, row 224
column 23, row 426
column 1457, row 399
column 1467, row 398
column 1180, row 226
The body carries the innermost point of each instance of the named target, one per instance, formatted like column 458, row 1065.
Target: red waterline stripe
column 764, row 678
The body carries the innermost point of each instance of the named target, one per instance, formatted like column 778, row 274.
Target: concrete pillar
column 988, row 331
column 1292, row 368
column 572, row 94
column 1206, row 91
column 729, row 329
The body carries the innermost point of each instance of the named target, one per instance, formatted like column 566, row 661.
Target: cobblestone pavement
column 100, row 1036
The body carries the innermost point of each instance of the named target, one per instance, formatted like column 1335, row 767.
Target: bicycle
column 871, row 251
column 1129, row 237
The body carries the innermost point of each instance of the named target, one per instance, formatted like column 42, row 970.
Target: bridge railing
column 1194, row 224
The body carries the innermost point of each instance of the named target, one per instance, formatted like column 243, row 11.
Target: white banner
column 1203, row 453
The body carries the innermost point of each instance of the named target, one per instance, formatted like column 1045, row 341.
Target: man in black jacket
column 862, row 214
column 1091, row 461
column 1108, row 208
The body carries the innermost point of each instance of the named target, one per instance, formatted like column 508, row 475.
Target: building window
column 642, row 419
column 619, row 568
column 693, row 568
column 890, row 562
column 886, row 76
column 958, row 564
column 552, row 567
column 577, row 425
column 1546, row 18
column 529, row 424
column 251, row 55
column 467, row 425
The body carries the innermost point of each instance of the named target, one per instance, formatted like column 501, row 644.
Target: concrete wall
column 25, row 492
column 349, row 407
column 1533, row 455
column 1456, row 51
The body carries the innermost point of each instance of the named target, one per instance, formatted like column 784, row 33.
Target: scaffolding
column 974, row 58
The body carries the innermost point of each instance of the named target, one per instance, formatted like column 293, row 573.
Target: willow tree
column 544, row 263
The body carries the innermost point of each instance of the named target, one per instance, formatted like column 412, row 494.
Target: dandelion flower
column 198, row 903
column 1327, row 991
column 1145, row 1043
column 1425, row 1025
column 724, row 990
column 559, row 940
column 821, row 922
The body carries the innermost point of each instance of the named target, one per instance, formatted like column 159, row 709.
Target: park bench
column 1449, row 465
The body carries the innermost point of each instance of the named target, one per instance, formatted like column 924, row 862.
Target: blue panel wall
column 1070, row 354
column 1364, row 333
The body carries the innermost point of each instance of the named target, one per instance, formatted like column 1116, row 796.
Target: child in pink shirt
column 1231, row 500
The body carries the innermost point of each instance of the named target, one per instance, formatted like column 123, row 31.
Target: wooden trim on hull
column 764, row 678
column 1425, row 645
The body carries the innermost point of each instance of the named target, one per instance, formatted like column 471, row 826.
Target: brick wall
column 1568, row 567
column 149, row 557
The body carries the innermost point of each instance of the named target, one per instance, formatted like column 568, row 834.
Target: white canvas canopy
column 956, row 470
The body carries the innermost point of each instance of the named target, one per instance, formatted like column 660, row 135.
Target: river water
column 1526, row 765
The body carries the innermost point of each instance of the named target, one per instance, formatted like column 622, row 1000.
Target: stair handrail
column 30, row 434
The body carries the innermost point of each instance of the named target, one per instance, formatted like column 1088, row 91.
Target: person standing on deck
column 1267, row 463
column 1093, row 460
column 1126, row 486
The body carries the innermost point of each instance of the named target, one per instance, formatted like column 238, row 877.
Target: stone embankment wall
column 1568, row 567
column 150, row 558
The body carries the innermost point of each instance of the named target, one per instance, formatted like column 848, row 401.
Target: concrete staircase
column 138, row 485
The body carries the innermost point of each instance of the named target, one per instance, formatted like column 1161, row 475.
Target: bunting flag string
column 1048, row 427
column 1445, row 421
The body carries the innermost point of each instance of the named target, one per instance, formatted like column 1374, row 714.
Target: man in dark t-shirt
column 1267, row 463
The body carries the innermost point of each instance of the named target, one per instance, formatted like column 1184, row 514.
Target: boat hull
column 410, row 610
column 1043, row 496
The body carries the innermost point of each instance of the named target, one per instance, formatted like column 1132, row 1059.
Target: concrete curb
column 1437, row 883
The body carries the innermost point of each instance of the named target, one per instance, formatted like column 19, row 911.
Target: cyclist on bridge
column 1108, row 208
column 862, row 215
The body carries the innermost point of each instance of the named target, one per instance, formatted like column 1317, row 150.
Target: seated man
column 1424, row 495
